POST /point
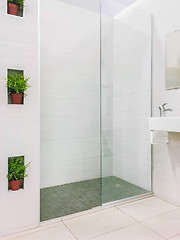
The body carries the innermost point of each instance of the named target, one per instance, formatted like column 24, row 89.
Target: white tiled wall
column 166, row 167
column 70, row 81
column 19, row 124
column 132, row 97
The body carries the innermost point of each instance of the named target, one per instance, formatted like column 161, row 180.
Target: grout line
column 29, row 232
column 139, row 222
column 136, row 222
column 167, row 201
column 142, row 222
column 173, row 236
column 106, row 232
column 120, row 228
column 69, row 230
column 129, row 215
column 162, row 214
column 153, row 231
column 113, row 231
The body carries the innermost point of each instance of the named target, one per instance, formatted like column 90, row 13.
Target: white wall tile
column 18, row 27
column 70, row 106
column 76, row 160
column 84, row 85
column 55, row 128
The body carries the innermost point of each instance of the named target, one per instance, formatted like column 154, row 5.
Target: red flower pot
column 15, row 185
column 13, row 9
column 16, row 98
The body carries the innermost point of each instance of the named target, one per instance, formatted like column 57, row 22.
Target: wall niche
column 15, row 7
column 11, row 72
column 15, row 173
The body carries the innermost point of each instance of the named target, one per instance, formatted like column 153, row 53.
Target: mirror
column 173, row 60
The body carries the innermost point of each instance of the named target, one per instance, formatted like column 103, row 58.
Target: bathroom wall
column 70, row 93
column 166, row 157
column 19, row 124
column 132, row 97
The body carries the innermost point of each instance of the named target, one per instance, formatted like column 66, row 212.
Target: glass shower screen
column 95, row 62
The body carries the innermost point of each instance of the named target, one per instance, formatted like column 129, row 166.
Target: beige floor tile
column 137, row 231
column 59, row 232
column 95, row 224
column 147, row 208
column 167, row 225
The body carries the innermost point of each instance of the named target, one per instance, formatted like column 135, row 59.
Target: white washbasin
column 168, row 124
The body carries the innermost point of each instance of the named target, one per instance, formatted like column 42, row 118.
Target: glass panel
column 126, row 101
column 76, row 76
column 70, row 107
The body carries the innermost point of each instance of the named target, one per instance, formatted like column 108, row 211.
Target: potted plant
column 16, row 172
column 14, row 6
column 17, row 85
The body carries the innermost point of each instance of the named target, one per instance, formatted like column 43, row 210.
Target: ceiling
column 108, row 7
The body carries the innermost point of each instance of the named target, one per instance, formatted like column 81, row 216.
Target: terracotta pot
column 15, row 185
column 13, row 9
column 16, row 98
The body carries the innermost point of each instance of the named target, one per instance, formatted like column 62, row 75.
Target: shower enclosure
column 95, row 103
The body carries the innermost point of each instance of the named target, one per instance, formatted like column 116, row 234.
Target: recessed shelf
column 13, row 9
column 14, row 167
column 18, row 72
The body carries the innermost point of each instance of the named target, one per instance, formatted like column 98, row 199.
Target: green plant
column 17, row 169
column 17, row 83
column 20, row 3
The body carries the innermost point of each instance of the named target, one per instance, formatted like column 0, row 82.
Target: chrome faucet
column 163, row 109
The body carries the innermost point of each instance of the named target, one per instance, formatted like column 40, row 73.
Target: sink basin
column 168, row 124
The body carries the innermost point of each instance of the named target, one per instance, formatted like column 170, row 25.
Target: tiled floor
column 75, row 197
column 147, row 219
